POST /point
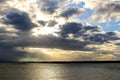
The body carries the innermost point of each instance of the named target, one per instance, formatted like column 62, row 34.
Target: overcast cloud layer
column 34, row 30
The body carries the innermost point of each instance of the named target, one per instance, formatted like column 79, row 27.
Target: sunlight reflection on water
column 74, row 71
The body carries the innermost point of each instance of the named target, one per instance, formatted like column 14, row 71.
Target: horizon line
column 117, row 61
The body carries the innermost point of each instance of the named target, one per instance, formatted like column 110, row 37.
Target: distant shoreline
column 62, row 62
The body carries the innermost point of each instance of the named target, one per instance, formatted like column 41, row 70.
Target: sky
column 59, row 30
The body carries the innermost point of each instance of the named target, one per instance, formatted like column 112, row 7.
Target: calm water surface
column 65, row 71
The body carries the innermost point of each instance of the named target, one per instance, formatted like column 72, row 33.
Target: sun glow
column 45, row 31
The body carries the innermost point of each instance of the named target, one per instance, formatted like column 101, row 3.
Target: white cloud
column 104, row 10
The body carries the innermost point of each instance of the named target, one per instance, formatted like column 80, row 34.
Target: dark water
column 66, row 71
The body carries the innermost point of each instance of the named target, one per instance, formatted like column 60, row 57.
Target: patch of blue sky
column 80, row 5
column 52, row 0
column 86, row 14
column 109, row 26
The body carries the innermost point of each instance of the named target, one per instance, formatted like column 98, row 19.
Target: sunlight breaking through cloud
column 35, row 30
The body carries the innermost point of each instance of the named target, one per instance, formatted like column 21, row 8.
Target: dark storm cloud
column 77, row 29
column 42, row 41
column 60, row 43
column 48, row 6
column 69, row 12
column 20, row 21
column 90, row 34
column 69, row 28
column 8, row 45
column 50, row 41
column 8, row 51
column 10, row 54
column 10, row 41
column 112, row 36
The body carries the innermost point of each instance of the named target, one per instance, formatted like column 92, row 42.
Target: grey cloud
column 70, row 12
column 52, row 23
column 8, row 44
column 6, row 9
column 1, row 1
column 101, row 38
column 45, row 42
column 111, row 7
column 2, row 30
column 107, row 11
column 115, row 6
column 8, row 54
column 68, row 28
column 93, row 28
column 103, row 10
column 20, row 21
column 6, row 35
column 90, row 34
column 43, row 23
column 78, row 29
column 48, row 6
column 112, row 36
column 50, row 41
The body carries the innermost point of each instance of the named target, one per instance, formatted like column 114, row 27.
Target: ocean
column 60, row 71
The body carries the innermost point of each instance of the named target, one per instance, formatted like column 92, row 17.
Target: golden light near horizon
column 54, row 54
